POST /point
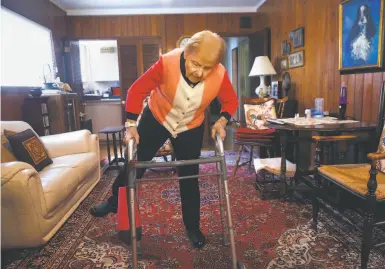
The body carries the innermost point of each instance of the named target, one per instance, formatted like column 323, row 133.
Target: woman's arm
column 141, row 88
column 228, row 99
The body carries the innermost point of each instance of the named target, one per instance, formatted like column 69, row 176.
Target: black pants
column 187, row 145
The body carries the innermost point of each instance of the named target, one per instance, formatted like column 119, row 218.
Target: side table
column 114, row 130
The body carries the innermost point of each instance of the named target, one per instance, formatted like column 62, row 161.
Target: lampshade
column 262, row 67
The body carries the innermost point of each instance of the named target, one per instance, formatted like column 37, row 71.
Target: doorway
column 236, row 62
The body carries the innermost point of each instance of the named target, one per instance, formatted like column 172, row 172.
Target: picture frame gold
column 296, row 59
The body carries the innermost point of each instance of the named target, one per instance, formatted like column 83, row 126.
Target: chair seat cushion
column 354, row 177
column 165, row 150
column 249, row 131
column 273, row 165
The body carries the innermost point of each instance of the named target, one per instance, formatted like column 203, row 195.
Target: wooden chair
column 264, row 139
column 364, row 183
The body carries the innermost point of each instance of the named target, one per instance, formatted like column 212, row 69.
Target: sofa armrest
column 10, row 169
column 94, row 143
column 22, row 205
column 68, row 143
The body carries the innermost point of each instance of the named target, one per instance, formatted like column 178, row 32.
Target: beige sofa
column 34, row 205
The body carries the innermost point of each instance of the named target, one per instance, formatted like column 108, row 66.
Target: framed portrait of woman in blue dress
column 361, row 34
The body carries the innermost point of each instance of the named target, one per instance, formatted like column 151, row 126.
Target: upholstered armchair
column 363, row 183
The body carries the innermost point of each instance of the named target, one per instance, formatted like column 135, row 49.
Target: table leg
column 283, row 140
column 108, row 150
column 120, row 144
column 115, row 148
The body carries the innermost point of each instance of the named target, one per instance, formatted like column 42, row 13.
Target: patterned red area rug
column 269, row 234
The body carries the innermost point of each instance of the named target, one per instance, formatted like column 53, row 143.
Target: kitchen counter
column 103, row 113
column 102, row 101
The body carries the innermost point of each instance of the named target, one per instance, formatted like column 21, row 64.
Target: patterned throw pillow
column 256, row 115
column 381, row 148
column 6, row 149
column 28, row 148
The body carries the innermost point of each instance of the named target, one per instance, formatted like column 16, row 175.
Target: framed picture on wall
column 234, row 72
column 296, row 59
column 297, row 37
column 284, row 64
column 361, row 34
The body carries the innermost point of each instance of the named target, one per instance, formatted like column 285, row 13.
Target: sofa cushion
column 82, row 163
column 27, row 147
column 6, row 150
column 58, row 184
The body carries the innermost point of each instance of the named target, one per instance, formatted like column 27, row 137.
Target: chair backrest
column 381, row 113
column 280, row 106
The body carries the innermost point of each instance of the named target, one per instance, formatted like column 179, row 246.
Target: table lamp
column 262, row 67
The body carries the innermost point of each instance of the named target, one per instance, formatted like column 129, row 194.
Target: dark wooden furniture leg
column 116, row 160
column 108, row 150
column 282, row 179
column 369, row 217
column 120, row 144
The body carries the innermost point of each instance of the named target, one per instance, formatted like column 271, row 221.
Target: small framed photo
column 297, row 59
column 276, row 89
column 284, row 45
column 288, row 48
column 284, row 64
column 297, row 37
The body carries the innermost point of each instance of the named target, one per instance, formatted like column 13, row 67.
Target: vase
column 36, row 92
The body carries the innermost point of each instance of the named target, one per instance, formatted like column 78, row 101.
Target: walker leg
column 221, row 206
column 229, row 220
column 131, row 200
column 133, row 228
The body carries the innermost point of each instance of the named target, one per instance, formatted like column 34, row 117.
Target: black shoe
column 102, row 209
column 196, row 237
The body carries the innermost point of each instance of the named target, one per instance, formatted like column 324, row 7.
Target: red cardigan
column 174, row 103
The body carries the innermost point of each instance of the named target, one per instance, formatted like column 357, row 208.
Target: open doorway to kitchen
column 99, row 68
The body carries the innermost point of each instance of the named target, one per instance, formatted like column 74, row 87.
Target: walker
column 223, row 190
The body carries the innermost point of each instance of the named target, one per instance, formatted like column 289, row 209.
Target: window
column 27, row 55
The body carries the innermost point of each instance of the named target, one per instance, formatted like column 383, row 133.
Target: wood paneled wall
column 44, row 13
column 320, row 76
column 169, row 27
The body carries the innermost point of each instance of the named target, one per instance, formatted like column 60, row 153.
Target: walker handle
column 219, row 145
column 131, row 149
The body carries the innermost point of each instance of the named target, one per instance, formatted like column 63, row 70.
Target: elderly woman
column 181, row 84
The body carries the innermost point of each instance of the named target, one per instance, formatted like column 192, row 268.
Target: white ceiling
column 121, row 7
